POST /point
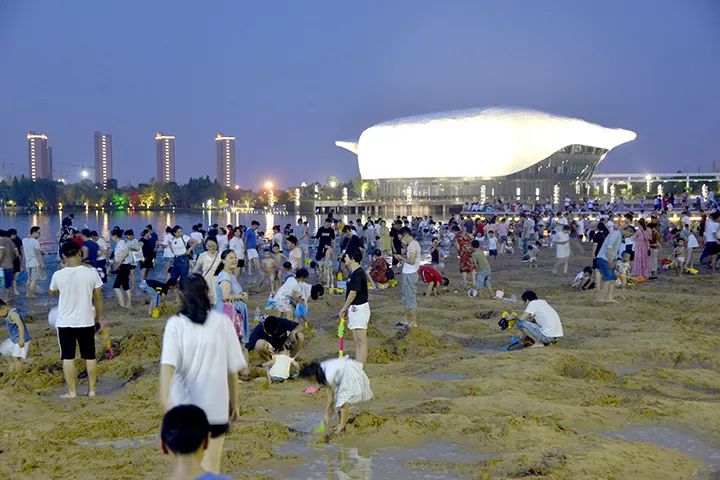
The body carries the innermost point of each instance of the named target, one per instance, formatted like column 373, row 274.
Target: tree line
column 45, row 194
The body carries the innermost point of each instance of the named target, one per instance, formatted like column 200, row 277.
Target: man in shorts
column 80, row 289
column 34, row 263
column 539, row 323
column 606, row 258
column 251, row 247
column 411, row 264
column 356, row 304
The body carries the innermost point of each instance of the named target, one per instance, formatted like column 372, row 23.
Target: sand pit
column 606, row 402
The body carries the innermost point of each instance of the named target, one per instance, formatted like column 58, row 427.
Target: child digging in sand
column 281, row 366
column 15, row 347
column 346, row 383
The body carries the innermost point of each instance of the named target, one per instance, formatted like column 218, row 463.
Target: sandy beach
column 631, row 392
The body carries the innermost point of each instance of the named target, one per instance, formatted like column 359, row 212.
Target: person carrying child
column 16, row 346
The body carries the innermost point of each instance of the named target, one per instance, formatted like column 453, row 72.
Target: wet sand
column 631, row 392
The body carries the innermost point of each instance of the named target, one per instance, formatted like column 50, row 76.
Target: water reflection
column 333, row 462
column 104, row 221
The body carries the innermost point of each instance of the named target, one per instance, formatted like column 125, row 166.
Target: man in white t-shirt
column 540, row 323
column 411, row 264
column 34, row 263
column 80, row 309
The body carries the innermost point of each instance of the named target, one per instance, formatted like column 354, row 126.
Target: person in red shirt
column 433, row 279
column 479, row 227
column 378, row 269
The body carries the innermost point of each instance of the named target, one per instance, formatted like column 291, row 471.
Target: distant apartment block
column 40, row 164
column 225, row 148
column 165, row 151
column 103, row 158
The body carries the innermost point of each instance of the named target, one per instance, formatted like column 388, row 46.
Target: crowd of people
column 211, row 274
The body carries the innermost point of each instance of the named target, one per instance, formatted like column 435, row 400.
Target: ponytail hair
column 221, row 265
column 195, row 300
column 314, row 370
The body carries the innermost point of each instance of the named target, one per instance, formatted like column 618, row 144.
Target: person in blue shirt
column 15, row 347
column 185, row 435
column 251, row 247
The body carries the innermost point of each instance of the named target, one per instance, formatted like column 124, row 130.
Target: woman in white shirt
column 200, row 361
column 238, row 246
column 207, row 263
column 222, row 239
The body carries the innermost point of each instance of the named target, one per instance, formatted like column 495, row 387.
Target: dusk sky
column 288, row 78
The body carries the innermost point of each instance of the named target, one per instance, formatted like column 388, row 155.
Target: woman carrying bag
column 229, row 295
column 207, row 263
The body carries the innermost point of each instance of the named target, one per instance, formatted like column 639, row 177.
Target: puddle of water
column 105, row 386
column 304, row 422
column 119, row 444
column 486, row 349
column 444, row 377
column 332, row 461
column 674, row 439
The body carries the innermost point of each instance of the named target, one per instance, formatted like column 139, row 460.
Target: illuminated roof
column 491, row 142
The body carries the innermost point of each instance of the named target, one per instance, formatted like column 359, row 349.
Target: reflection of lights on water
column 269, row 223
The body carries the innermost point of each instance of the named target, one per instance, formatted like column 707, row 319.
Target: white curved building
column 509, row 151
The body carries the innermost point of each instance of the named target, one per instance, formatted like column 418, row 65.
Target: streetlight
column 333, row 184
column 269, row 185
column 84, row 173
column 237, row 187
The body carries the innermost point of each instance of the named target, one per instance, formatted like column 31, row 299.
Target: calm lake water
column 103, row 222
